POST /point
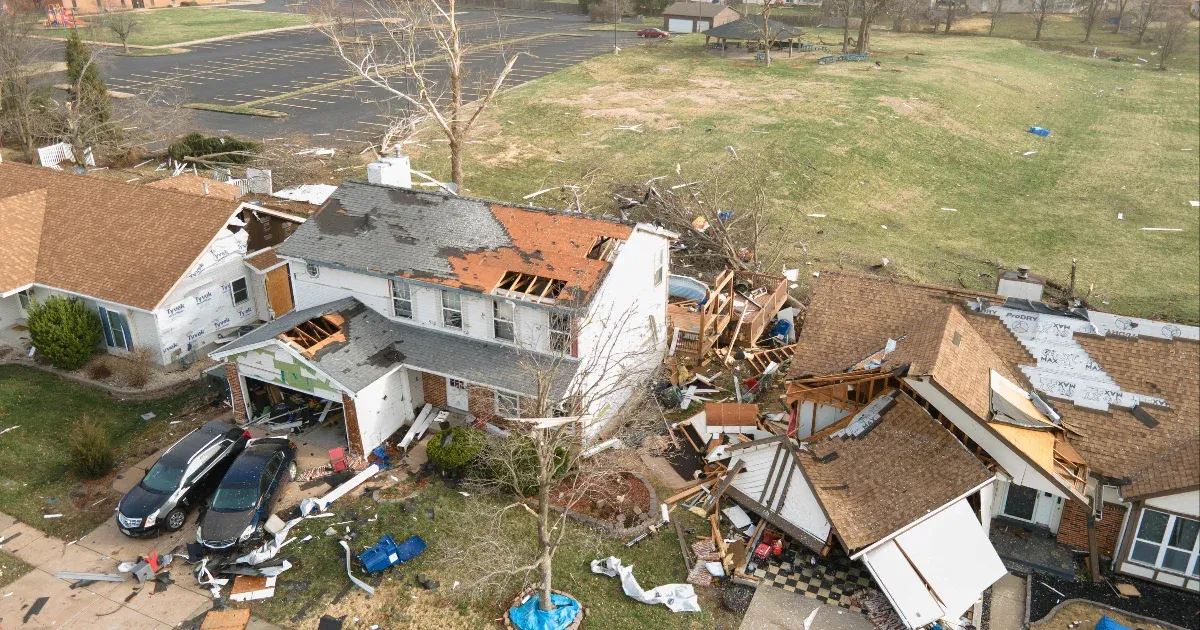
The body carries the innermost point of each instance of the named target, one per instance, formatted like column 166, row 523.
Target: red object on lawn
column 337, row 457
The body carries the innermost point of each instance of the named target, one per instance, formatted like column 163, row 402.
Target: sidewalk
column 102, row 604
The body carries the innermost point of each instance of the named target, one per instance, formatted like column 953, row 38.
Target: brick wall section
column 1073, row 529
column 235, row 388
column 352, row 434
column 434, row 388
column 481, row 402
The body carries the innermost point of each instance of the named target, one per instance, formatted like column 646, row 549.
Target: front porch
column 1024, row 547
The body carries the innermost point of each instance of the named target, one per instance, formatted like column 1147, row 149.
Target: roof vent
column 1023, row 272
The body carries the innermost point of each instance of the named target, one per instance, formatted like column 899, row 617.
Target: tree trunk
column 1120, row 16
column 846, row 29
column 864, row 34
column 949, row 18
column 545, row 475
column 125, row 46
column 1041, row 19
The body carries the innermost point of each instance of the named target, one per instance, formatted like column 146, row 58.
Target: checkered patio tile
column 828, row 580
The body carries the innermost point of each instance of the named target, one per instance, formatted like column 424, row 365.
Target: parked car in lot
column 653, row 32
column 244, row 499
column 183, row 477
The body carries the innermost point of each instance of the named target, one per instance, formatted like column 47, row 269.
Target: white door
column 456, row 393
column 675, row 25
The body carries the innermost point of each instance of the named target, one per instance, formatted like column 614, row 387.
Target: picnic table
column 854, row 57
column 827, row 59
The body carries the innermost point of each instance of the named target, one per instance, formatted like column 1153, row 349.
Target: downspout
column 1093, row 544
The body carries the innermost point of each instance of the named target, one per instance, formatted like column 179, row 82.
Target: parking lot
column 298, row 74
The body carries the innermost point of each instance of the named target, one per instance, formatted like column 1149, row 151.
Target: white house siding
column 1187, row 503
column 202, row 303
column 10, row 312
column 274, row 364
column 257, row 282
column 800, row 506
column 142, row 326
column 627, row 319
column 531, row 322
column 382, row 408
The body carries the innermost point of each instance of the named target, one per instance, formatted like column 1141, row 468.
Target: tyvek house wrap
column 203, row 303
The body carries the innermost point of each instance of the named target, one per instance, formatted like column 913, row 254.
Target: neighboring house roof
column 123, row 243
column 893, row 473
column 459, row 242
column 852, row 316
column 751, row 28
column 372, row 345
column 1116, row 443
column 264, row 260
column 696, row 9
column 197, row 185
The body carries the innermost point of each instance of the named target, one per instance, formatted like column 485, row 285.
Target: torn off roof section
column 461, row 242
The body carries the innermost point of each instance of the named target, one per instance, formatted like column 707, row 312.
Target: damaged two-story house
column 923, row 415
column 168, row 272
column 408, row 298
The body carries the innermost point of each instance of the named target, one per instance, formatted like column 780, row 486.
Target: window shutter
column 108, row 333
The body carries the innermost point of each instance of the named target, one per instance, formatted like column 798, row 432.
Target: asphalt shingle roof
column 123, row 243
column 375, row 345
column 455, row 241
column 751, row 28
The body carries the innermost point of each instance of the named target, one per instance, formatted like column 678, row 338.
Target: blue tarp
column 1107, row 623
column 527, row 616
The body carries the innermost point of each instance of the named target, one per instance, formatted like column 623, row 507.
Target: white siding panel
column 1183, row 503
column 902, row 586
column 383, row 407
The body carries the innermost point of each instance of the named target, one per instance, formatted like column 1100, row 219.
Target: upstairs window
column 502, row 320
column 452, row 310
column 560, row 332
column 660, row 267
column 241, row 293
column 402, row 305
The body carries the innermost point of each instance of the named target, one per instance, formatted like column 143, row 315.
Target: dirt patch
column 621, row 500
column 1068, row 616
column 396, row 605
column 711, row 83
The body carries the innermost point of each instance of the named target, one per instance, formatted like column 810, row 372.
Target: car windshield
column 235, row 498
column 163, row 477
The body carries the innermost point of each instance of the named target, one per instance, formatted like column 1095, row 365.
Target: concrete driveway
column 776, row 609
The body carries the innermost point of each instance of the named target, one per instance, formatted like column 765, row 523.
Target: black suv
column 240, row 507
column 181, row 478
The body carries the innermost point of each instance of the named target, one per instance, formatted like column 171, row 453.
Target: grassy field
column 400, row 602
column 35, row 478
column 941, row 125
column 184, row 24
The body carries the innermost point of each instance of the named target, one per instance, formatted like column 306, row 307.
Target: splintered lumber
column 687, row 564
column 696, row 486
column 725, row 483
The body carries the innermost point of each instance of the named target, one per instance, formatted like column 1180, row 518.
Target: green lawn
column 400, row 603
column 11, row 568
column 942, row 124
column 35, row 478
column 184, row 24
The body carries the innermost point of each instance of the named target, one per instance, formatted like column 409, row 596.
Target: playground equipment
column 62, row 17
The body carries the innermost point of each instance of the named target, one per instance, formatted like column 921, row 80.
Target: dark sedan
column 243, row 502
column 184, row 476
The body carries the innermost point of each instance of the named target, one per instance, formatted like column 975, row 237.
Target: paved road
column 271, row 66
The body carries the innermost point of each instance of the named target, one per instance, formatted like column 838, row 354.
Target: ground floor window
column 1168, row 542
column 116, row 330
column 24, row 299
column 507, row 405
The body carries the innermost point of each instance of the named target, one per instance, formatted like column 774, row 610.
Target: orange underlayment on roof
column 730, row 414
column 552, row 246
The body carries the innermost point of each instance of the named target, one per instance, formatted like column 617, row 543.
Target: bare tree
column 845, row 7
column 994, row 16
column 1147, row 12
column 123, row 24
column 1122, row 7
column 769, row 33
column 1091, row 12
column 870, row 10
column 23, row 100
column 547, row 450
column 1171, row 37
column 415, row 37
column 82, row 120
column 902, row 11
column 1041, row 9
column 951, row 6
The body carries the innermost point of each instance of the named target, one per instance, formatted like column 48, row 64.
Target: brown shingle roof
column 195, row 185
column 1115, row 443
column 906, row 466
column 852, row 316
column 264, row 260
column 109, row 240
column 22, row 217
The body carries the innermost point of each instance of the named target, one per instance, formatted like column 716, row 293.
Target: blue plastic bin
column 1039, row 131
column 386, row 553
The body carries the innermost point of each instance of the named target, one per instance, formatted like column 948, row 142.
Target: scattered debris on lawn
column 357, row 582
column 676, row 597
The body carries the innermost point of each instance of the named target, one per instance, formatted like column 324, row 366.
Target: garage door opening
column 278, row 410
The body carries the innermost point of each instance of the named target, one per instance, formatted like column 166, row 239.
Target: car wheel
column 175, row 519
